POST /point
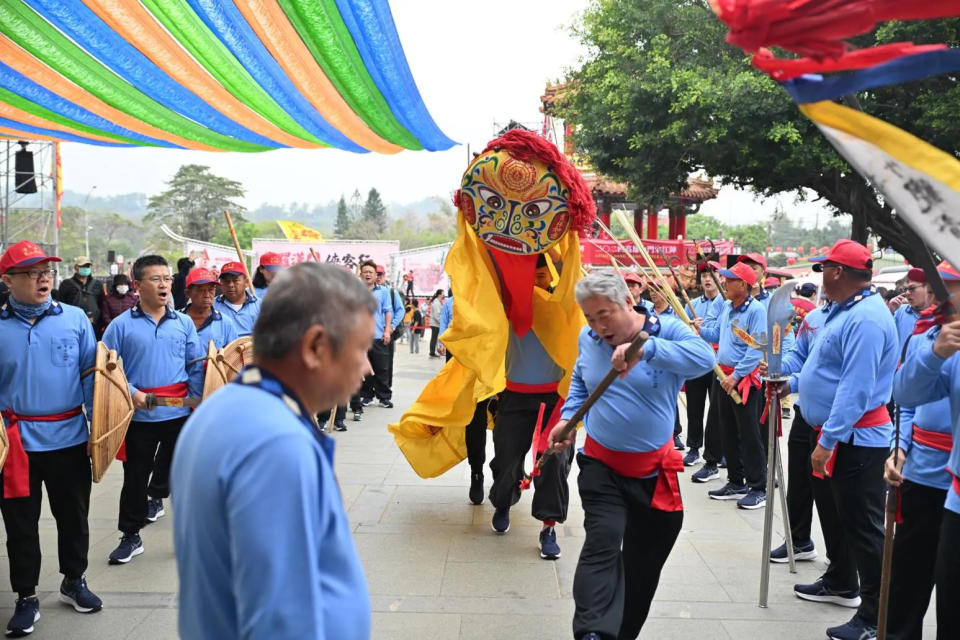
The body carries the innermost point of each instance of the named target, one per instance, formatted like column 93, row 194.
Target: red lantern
column 800, row 250
column 791, row 249
column 769, row 249
column 791, row 261
column 824, row 249
column 813, row 251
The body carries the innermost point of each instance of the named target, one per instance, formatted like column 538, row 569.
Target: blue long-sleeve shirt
column 849, row 371
column 263, row 545
column 925, row 377
column 40, row 367
column 751, row 316
column 704, row 306
column 157, row 355
column 636, row 413
column 905, row 318
column 793, row 358
column 244, row 318
column 388, row 302
column 446, row 314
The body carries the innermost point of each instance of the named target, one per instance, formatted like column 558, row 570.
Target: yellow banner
column 296, row 231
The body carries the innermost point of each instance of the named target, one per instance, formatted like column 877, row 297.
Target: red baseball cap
column 630, row 276
column 716, row 266
column 381, row 269
column 946, row 270
column 234, row 268
column 754, row 257
column 24, row 254
column 848, row 253
column 271, row 261
column 771, row 282
column 740, row 271
column 200, row 275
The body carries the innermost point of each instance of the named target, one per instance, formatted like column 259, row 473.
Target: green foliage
column 343, row 219
column 374, row 212
column 247, row 231
column 194, row 202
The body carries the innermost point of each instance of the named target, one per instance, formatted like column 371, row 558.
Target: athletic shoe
column 476, row 488
column 386, row 404
column 692, row 458
column 357, row 416
column 723, row 462
column 678, row 443
column 800, row 553
column 501, row 520
column 366, row 401
column 76, row 594
column 786, row 413
column 26, row 613
column 820, row 592
column 729, row 491
column 339, row 425
column 549, row 549
column 155, row 509
column 753, row 500
column 130, row 545
column 707, row 473
column 591, row 636
column 855, row 629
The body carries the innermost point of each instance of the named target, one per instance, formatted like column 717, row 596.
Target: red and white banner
column 427, row 267
column 598, row 251
column 346, row 253
column 209, row 256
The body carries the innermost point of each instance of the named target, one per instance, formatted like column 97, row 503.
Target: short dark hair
column 368, row 263
column 143, row 262
column 184, row 262
column 120, row 278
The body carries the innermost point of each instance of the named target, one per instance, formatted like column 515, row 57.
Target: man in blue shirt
column 697, row 389
column 628, row 466
column 264, row 548
column 758, row 264
column 44, row 348
column 388, row 317
column 161, row 356
column 236, row 302
column 917, row 297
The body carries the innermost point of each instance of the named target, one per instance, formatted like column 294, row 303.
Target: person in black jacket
column 82, row 290
column 179, row 288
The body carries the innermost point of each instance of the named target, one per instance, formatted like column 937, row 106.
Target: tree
column 342, row 227
column 661, row 96
column 194, row 202
column 375, row 212
column 247, row 231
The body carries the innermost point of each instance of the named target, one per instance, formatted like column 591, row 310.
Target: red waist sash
column 939, row 440
column 638, row 464
column 872, row 418
column 520, row 387
column 176, row 390
column 747, row 382
column 16, row 470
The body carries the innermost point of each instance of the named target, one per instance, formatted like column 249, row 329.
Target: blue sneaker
column 77, row 595
column 855, row 629
column 692, row 458
column 549, row 549
column 755, row 499
column 501, row 520
column 130, row 545
column 820, row 592
column 707, row 473
column 729, row 491
column 26, row 613
column 801, row 552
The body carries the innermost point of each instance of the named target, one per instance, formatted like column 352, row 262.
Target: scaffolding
column 29, row 216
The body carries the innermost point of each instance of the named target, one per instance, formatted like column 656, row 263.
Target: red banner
column 598, row 252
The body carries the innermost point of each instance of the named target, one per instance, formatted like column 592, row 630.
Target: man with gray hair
column 262, row 540
column 628, row 466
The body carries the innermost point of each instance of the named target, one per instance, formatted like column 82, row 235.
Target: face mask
column 84, row 271
column 122, row 289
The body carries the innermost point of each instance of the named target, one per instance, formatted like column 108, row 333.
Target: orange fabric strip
column 13, row 113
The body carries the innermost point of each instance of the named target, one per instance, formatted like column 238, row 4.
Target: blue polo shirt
column 751, row 316
column 905, row 318
column 793, row 358
column 40, row 367
column 156, row 355
column 263, row 544
column 216, row 327
column 245, row 318
column 388, row 301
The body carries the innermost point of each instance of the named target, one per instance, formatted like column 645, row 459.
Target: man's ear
column 315, row 348
column 6, row 279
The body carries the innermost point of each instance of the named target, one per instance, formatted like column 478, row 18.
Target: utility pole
column 86, row 225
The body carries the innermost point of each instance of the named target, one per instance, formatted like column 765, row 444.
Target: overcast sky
column 475, row 65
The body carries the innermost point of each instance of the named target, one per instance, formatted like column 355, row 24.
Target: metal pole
column 56, row 227
column 788, row 537
column 768, row 512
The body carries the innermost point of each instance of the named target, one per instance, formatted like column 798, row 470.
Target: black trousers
column 914, row 559
column 512, row 436
column 948, row 577
column 324, row 418
column 66, row 474
column 393, row 351
column 713, row 434
column 697, row 391
column 746, row 459
column 159, row 486
column 625, row 548
column 476, row 437
column 434, row 334
column 143, row 438
column 850, row 506
column 677, row 427
column 377, row 384
column 800, row 442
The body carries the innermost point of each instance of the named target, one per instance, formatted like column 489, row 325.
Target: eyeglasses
column 913, row 288
column 36, row 274
column 159, row 279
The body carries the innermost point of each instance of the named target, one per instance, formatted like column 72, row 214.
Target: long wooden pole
column 236, row 245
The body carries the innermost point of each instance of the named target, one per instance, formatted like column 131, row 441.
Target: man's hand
column 728, row 383
column 762, row 369
column 619, row 359
column 386, row 337
column 896, row 302
column 559, row 445
column 139, row 400
column 818, row 459
column 893, row 469
column 697, row 324
column 948, row 342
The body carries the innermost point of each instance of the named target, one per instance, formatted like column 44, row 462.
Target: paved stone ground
column 437, row 571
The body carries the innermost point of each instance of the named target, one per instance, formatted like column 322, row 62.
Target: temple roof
column 699, row 188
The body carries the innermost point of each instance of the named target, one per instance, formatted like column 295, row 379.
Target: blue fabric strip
column 88, row 31
column 15, row 82
column 375, row 34
column 59, row 135
column 815, row 88
column 229, row 25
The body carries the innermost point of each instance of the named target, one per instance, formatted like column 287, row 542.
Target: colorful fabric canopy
column 214, row 75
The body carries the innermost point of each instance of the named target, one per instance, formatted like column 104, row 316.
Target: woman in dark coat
column 118, row 300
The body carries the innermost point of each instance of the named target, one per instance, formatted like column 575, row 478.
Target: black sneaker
column 155, row 509
column 476, row 488
column 26, row 613
column 76, row 594
column 723, row 462
column 854, row 629
column 707, row 473
column 386, row 404
column 678, row 443
column 800, row 552
column 729, row 491
column 339, row 425
column 591, row 636
column 501, row 520
column 357, row 416
column 130, row 545
column 820, row 592
column 754, row 499
column 549, row 549
column 692, row 458
column 366, row 401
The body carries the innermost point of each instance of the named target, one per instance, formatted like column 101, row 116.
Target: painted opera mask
column 516, row 206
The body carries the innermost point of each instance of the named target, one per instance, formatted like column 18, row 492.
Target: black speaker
column 25, row 180
column 111, row 256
